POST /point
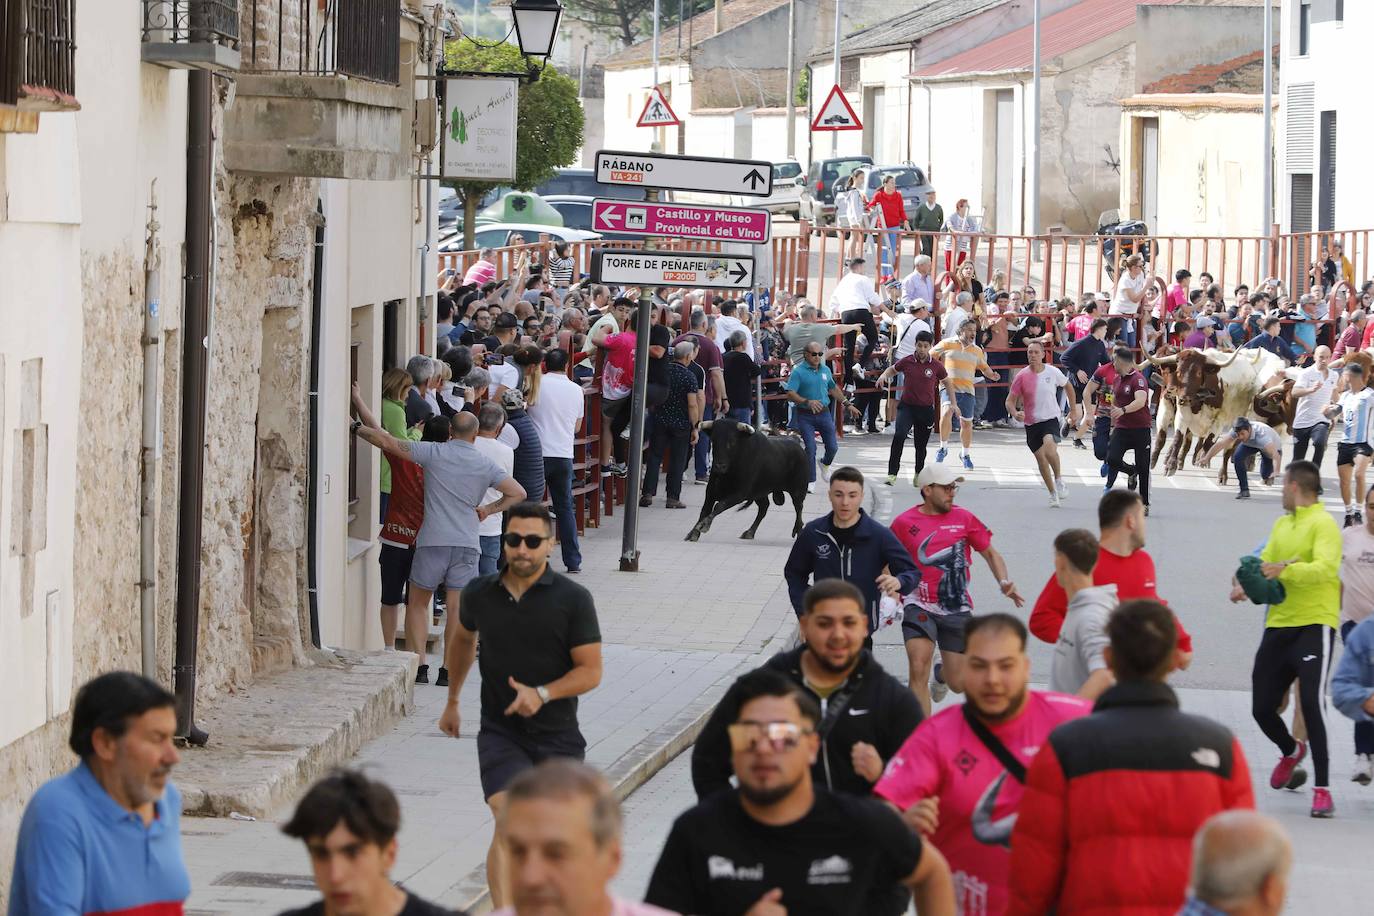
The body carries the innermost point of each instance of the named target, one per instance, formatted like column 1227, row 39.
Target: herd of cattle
column 1199, row 395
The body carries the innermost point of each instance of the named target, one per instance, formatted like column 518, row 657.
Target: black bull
column 748, row 466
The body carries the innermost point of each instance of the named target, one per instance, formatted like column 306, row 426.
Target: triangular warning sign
column 657, row 112
column 836, row 113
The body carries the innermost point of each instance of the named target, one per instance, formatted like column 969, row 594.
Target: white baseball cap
column 941, row 475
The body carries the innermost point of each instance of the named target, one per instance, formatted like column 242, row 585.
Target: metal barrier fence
column 1060, row 266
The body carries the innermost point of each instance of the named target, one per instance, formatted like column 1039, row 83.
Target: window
column 849, row 73
column 1304, row 27
column 38, row 51
column 786, row 170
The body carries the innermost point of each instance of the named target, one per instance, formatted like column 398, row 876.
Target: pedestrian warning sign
column 836, row 113
column 657, row 112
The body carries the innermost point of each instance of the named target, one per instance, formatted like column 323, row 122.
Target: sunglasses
column 781, row 736
column 531, row 541
column 813, row 353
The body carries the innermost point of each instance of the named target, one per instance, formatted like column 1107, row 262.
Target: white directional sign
column 672, row 268
column 685, row 173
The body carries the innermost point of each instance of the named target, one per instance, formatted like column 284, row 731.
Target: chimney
column 720, row 14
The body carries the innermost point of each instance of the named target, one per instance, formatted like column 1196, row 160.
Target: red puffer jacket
column 1112, row 802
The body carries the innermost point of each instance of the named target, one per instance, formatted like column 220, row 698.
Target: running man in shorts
column 1036, row 389
column 1352, row 454
column 941, row 538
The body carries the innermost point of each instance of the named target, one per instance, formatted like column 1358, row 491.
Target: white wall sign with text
column 479, row 128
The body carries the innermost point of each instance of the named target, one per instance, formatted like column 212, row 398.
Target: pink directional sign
column 687, row 221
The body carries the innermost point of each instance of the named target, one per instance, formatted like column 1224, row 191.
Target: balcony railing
column 201, row 34
column 357, row 38
column 182, row 21
column 38, row 55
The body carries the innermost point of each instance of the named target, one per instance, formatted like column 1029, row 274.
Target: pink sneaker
column 1322, row 805
column 1283, row 771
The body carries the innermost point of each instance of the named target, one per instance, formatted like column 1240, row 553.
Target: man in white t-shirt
column 908, row 326
column 1312, row 386
column 491, row 416
column 854, row 291
column 727, row 324
column 955, row 315
column 1033, row 399
column 557, row 415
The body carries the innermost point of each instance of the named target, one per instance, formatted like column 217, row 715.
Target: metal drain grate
column 265, row 879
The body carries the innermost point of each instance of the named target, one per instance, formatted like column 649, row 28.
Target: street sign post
column 647, row 269
column 687, row 221
column 685, row 173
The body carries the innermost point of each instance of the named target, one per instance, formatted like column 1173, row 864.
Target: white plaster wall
column 1333, row 47
column 1209, row 184
column 770, row 135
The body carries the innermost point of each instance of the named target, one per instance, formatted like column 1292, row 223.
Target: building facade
column 317, row 277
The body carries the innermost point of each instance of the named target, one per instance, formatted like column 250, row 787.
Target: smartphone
column 448, row 272
column 496, row 359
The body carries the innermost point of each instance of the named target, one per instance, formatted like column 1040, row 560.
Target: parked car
column 576, row 211
column 787, row 190
column 817, row 199
column 583, row 183
column 911, row 184
column 498, row 235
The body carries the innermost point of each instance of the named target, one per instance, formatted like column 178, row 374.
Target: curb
column 274, row 738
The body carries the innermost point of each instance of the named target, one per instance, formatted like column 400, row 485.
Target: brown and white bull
column 1210, row 389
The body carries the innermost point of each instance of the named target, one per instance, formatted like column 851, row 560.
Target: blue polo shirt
column 80, row 853
column 812, row 384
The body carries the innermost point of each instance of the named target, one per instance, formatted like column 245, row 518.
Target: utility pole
column 792, row 78
column 1033, row 142
column 835, row 135
column 1267, row 206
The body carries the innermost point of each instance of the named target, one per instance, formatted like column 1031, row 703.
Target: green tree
column 549, row 122
column 802, row 89
column 630, row 21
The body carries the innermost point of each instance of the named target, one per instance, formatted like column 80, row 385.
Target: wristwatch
column 543, row 694
column 1004, row 582
column 357, row 425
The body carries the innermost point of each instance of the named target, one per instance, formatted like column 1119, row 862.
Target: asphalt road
column 1196, row 533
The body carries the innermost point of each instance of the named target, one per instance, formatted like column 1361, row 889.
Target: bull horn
column 1272, row 392
column 1234, row 354
column 706, row 424
column 744, row 428
column 1163, row 360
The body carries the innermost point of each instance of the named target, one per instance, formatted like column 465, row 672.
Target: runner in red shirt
column 941, row 538
column 953, row 788
column 1121, row 561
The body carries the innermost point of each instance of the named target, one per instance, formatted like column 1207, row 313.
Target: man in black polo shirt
column 541, row 649
column 922, row 377
column 781, row 844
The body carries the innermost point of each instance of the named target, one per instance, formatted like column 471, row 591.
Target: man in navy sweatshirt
column 847, row 544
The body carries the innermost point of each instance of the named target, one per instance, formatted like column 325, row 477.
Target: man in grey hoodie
column 1079, row 666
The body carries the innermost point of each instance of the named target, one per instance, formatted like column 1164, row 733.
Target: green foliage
column 803, row 86
column 549, row 121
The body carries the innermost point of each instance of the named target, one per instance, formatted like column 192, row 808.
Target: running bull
column 748, row 466
column 1209, row 390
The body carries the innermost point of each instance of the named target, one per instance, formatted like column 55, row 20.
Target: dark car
column 818, row 196
column 583, row 183
column 911, row 184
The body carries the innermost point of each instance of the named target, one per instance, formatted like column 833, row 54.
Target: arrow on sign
column 754, row 179
column 606, row 216
column 739, row 272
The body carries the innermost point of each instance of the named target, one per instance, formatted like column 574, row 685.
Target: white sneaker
column 938, row 688
column 825, row 472
column 1060, row 490
column 811, row 488
column 1364, row 769
column 1054, row 500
